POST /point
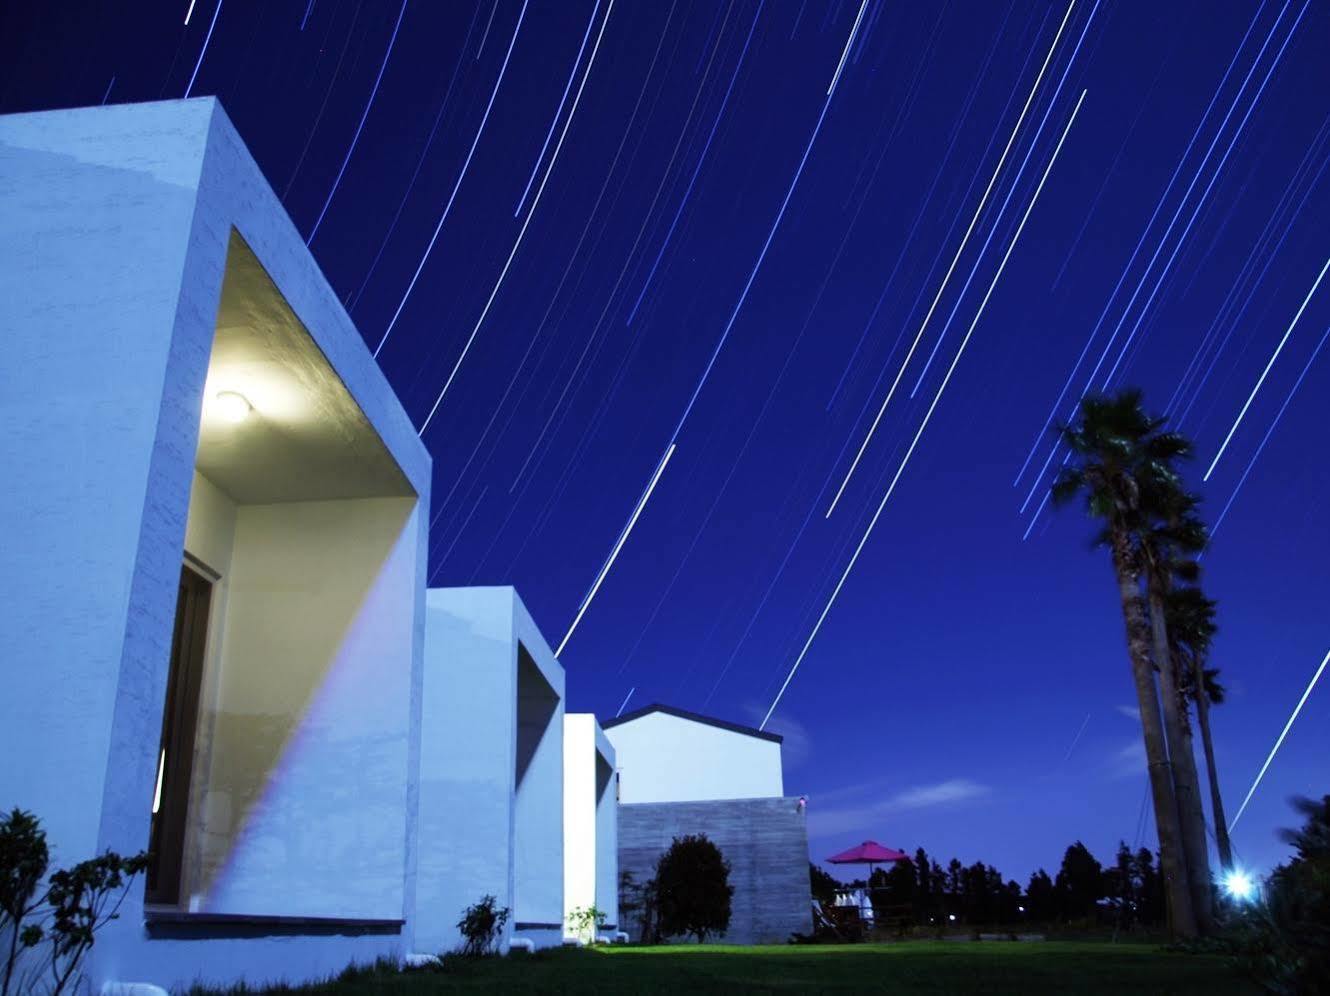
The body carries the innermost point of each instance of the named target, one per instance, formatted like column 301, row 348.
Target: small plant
column 76, row 903
column 481, row 926
column 586, row 923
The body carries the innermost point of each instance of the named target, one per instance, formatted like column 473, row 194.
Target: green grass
column 1081, row 969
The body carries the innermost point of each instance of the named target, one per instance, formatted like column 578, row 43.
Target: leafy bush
column 1287, row 934
column 481, row 926
column 586, row 923
column 60, row 924
column 693, row 889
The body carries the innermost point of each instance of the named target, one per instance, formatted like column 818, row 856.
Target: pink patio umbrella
column 869, row 853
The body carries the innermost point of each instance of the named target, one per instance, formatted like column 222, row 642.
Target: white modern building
column 670, row 755
column 218, row 644
column 491, row 769
column 590, row 823
column 681, row 773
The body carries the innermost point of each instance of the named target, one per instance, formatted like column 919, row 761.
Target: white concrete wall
column 308, row 740
column 538, row 802
column 91, row 262
column 481, row 831
column 579, row 814
column 664, row 758
column 466, row 760
column 607, row 832
column 590, row 821
column 116, row 224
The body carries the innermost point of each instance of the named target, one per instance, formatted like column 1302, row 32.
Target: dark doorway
column 175, row 755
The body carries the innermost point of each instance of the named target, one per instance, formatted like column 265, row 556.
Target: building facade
column 671, row 755
column 491, row 771
column 684, row 773
column 219, row 645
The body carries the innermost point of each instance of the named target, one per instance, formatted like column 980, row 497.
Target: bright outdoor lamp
column 1239, row 885
column 232, row 406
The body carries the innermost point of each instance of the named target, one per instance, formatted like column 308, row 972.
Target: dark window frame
column 175, row 753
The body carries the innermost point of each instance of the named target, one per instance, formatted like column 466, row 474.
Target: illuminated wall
column 491, row 769
column 664, row 757
column 590, row 821
column 302, row 741
column 119, row 224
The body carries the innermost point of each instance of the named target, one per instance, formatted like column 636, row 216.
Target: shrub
column 1286, row 936
column 481, row 926
column 693, row 889
column 60, row 923
column 586, row 923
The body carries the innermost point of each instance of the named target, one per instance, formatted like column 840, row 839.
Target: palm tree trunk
column 1172, row 862
column 1208, row 745
column 1186, row 780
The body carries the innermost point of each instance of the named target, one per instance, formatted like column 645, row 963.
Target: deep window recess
column 175, row 753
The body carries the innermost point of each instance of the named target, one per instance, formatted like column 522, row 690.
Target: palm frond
column 1067, row 485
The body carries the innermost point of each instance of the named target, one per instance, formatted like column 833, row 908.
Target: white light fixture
column 232, row 406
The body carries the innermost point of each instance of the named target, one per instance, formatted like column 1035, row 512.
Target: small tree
column 586, row 922
column 65, row 918
column 481, row 926
column 693, row 889
column 23, row 861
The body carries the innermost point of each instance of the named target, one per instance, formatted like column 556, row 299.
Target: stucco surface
column 666, row 758
column 482, row 831
column 117, row 222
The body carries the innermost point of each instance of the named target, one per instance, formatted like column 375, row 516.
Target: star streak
column 961, row 248
column 927, row 416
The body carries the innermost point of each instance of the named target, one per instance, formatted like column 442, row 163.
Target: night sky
column 715, row 218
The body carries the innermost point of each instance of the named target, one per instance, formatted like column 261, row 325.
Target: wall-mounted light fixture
column 232, row 406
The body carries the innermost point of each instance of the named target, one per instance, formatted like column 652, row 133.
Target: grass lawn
column 1081, row 969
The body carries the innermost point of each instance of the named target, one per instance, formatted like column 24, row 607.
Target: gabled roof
column 747, row 731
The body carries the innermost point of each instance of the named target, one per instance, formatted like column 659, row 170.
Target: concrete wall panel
column 765, row 841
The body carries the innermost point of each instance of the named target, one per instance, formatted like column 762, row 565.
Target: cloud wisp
column 867, row 814
column 1127, row 761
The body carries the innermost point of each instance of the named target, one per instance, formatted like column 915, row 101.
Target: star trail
column 685, row 301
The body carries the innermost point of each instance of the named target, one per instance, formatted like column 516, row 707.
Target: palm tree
column 1171, row 535
column 1191, row 628
column 1115, row 445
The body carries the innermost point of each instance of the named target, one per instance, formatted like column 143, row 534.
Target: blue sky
column 944, row 701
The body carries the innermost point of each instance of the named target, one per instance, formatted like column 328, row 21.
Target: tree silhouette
column 1080, row 882
column 693, row 888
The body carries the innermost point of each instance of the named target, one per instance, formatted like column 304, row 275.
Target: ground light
column 1239, row 885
